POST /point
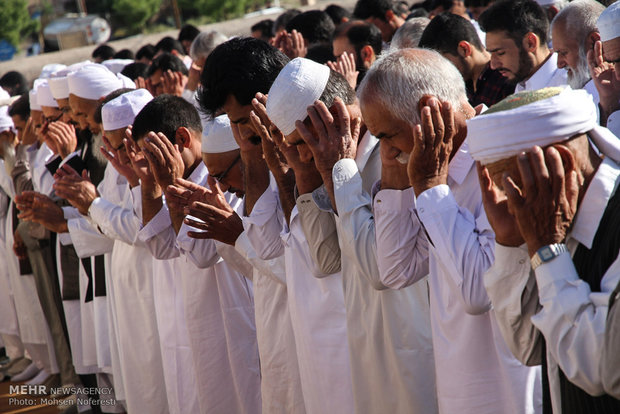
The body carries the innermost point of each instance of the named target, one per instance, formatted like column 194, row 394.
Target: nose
column 561, row 61
column 495, row 62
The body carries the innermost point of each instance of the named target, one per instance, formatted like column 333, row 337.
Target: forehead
column 218, row 163
column 341, row 44
column 376, row 117
column 49, row 110
column 115, row 136
column 499, row 39
column 235, row 111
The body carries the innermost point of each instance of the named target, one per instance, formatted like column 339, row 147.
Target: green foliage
column 218, row 9
column 15, row 21
column 135, row 13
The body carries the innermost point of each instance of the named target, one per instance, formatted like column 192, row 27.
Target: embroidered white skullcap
column 34, row 105
column 93, row 82
column 50, row 68
column 609, row 22
column 44, row 95
column 217, row 137
column 116, row 65
column 6, row 122
column 529, row 118
column 59, row 84
column 121, row 111
column 298, row 85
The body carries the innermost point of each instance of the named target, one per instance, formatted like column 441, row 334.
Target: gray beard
column 97, row 143
column 579, row 76
column 9, row 157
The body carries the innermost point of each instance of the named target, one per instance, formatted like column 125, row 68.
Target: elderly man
column 604, row 63
column 554, row 211
column 429, row 220
column 456, row 39
column 516, row 38
column 574, row 33
column 383, row 338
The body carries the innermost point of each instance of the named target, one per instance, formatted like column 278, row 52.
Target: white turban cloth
column 34, row 105
column 59, row 84
column 44, row 95
column 609, row 22
column 300, row 83
column 217, row 136
column 121, row 111
column 93, row 82
column 116, row 65
column 6, row 122
column 529, row 118
column 51, row 68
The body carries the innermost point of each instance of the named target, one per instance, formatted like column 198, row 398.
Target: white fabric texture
column 608, row 23
column 50, row 68
column 499, row 135
column 93, row 82
column 217, row 137
column 116, row 65
column 44, row 95
column 6, row 122
column 298, row 85
column 34, row 104
column 121, row 111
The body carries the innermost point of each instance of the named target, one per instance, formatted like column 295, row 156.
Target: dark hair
column 21, row 107
column 168, row 44
column 165, row 62
column 265, row 27
column 188, row 32
column 146, row 51
column 166, row 114
column 321, row 53
column 337, row 13
column 283, row 20
column 477, row 3
column 103, row 52
column 239, row 67
column 136, row 70
column 517, row 17
column 315, row 26
column 445, row 5
column 14, row 82
column 417, row 12
column 373, row 8
column 337, row 87
column 97, row 117
column 360, row 34
column 124, row 54
column 446, row 30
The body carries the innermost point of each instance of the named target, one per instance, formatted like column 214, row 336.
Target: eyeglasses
column 50, row 120
column 223, row 175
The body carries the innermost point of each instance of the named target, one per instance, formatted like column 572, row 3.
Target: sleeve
column 273, row 268
column 264, row 225
column 572, row 319
column 511, row 286
column 69, row 213
column 465, row 243
column 115, row 221
column 357, row 224
column 234, row 259
column 21, row 174
column 159, row 237
column 201, row 252
column 321, row 234
column 86, row 238
column 610, row 358
column 402, row 247
column 613, row 123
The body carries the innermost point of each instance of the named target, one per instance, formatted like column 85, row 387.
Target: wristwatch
column 547, row 253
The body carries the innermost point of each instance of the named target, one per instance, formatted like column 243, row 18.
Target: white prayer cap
column 116, row 65
column 545, row 3
column 93, row 82
column 59, row 84
column 34, row 105
column 609, row 22
column 50, row 68
column 529, row 118
column 121, row 111
column 298, row 85
column 44, row 95
column 218, row 137
column 6, row 122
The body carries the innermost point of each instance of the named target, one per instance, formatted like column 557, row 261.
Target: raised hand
column 183, row 193
column 39, row 208
column 120, row 161
column 28, row 135
column 432, row 146
column 545, row 204
column 174, row 82
column 63, row 136
column 345, row 65
column 78, row 190
column 138, row 162
column 605, row 79
column 164, row 158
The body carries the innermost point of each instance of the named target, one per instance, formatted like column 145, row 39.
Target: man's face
column 240, row 115
column 67, row 113
column 19, row 123
column 571, row 56
column 341, row 44
column 227, row 169
column 611, row 53
column 387, row 31
column 393, row 133
column 84, row 112
column 295, row 139
column 510, row 59
column 157, row 83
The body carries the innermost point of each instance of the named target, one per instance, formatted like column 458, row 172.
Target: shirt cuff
column 613, row 123
column 70, row 213
column 434, row 200
column 97, row 210
column 394, row 200
column 322, row 200
column 344, row 170
column 560, row 268
column 264, row 208
column 159, row 223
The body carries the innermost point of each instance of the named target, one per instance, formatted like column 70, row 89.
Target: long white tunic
column 8, row 318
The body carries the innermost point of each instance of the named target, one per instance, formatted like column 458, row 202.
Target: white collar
column 365, row 147
column 199, row 175
column 542, row 77
column 460, row 164
column 594, row 202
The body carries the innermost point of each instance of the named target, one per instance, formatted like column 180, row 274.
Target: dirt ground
column 31, row 66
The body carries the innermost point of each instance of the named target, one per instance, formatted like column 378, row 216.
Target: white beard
column 97, row 143
column 579, row 76
column 402, row 158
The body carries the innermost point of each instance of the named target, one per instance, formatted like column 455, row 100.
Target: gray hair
column 409, row 34
column 204, row 44
column 401, row 77
column 580, row 18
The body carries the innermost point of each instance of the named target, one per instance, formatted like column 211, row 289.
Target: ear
column 593, row 37
column 568, row 159
column 530, row 42
column 464, row 49
column 367, row 54
column 389, row 15
column 183, row 137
